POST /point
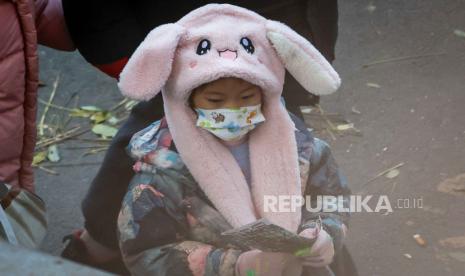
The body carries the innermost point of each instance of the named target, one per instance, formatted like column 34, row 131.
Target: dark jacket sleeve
column 325, row 178
column 51, row 26
column 102, row 203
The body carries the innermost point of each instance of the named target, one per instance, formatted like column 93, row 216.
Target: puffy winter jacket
column 165, row 214
column 23, row 24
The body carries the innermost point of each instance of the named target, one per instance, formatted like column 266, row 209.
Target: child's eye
column 215, row 100
column 248, row 96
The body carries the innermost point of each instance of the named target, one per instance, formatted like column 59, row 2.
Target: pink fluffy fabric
column 167, row 59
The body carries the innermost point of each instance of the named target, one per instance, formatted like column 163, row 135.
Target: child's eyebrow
column 214, row 93
column 246, row 89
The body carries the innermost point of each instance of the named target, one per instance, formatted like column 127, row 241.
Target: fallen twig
column 383, row 173
column 118, row 105
column 73, row 164
column 94, row 151
column 61, row 137
column 45, row 140
column 83, row 147
column 47, row 106
column 400, row 59
column 56, row 106
column 330, row 124
column 49, row 171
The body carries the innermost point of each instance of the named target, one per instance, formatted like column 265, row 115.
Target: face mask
column 230, row 124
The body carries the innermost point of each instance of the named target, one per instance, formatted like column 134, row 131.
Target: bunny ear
column 150, row 65
column 302, row 60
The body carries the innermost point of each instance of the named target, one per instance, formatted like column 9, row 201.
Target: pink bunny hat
column 218, row 41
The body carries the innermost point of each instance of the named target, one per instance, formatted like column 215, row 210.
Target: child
column 226, row 142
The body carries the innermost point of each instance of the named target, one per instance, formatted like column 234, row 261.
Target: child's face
column 226, row 93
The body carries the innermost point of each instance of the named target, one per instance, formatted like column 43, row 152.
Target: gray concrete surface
column 20, row 261
column 416, row 116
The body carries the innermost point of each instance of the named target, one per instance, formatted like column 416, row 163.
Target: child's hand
column 322, row 251
column 258, row 263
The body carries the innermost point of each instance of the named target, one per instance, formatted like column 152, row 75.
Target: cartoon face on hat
column 217, row 41
column 224, row 41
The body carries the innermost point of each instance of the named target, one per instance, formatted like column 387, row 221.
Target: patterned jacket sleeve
column 153, row 239
column 325, row 178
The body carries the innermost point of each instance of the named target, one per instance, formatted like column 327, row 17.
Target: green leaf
column 100, row 117
column 303, row 252
column 250, row 272
column 39, row 157
column 87, row 111
column 53, row 154
column 105, row 131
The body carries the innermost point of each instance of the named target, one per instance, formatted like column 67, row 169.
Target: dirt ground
column 403, row 72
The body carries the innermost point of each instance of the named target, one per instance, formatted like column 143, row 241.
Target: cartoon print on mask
column 230, row 123
column 251, row 115
column 218, row 117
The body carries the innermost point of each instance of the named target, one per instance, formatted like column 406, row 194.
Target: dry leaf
column 53, row 154
column 345, row 126
column 453, row 242
column 392, row 173
column 408, row 256
column 100, row 117
column 419, row 239
column 453, row 185
column 459, row 33
column 105, row 131
column 354, row 110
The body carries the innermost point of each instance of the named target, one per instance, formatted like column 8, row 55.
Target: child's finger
column 325, row 258
column 317, row 248
column 309, row 233
column 322, row 243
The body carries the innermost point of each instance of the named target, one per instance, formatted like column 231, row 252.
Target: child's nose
column 232, row 104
